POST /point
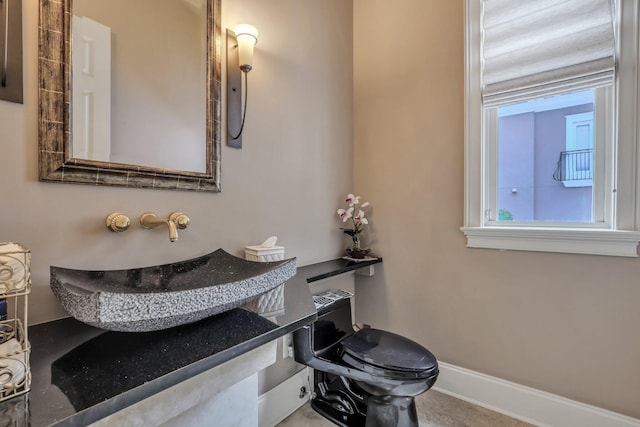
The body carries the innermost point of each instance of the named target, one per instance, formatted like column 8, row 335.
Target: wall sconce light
column 240, row 43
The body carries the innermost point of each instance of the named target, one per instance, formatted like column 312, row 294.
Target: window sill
column 571, row 241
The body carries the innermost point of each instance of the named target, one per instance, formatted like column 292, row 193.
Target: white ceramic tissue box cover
column 268, row 304
column 15, row 268
column 272, row 302
column 260, row 254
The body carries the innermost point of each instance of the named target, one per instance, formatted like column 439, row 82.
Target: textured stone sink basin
column 160, row 297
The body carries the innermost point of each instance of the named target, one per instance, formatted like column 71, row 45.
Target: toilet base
column 342, row 401
column 339, row 400
column 338, row 417
column 396, row 411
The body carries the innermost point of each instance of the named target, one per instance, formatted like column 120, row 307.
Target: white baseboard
column 524, row 403
column 281, row 401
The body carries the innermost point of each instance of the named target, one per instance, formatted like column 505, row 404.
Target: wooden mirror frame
column 54, row 117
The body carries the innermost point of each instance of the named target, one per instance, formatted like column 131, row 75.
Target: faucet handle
column 179, row 219
column 117, row 222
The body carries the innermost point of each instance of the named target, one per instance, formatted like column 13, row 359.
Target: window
column 545, row 152
column 550, row 126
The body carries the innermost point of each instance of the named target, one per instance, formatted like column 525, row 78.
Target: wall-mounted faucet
column 176, row 220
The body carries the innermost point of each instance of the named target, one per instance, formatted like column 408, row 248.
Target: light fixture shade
column 247, row 37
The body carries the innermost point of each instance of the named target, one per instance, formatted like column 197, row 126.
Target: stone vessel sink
column 163, row 296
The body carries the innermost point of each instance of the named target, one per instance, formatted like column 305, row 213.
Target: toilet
column 367, row 377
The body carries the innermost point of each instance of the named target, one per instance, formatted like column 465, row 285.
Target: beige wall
column 567, row 324
column 286, row 181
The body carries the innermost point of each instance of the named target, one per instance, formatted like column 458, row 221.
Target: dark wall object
column 11, row 50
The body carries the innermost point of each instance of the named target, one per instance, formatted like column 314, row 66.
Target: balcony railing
column 575, row 165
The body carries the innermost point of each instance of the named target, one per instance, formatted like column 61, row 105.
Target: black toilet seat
column 388, row 355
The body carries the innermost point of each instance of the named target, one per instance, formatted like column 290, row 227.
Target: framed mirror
column 125, row 140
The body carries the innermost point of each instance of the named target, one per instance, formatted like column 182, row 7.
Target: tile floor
column 434, row 410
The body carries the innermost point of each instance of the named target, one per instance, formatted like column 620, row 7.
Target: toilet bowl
column 367, row 377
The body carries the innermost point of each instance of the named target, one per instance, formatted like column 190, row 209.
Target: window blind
column 534, row 48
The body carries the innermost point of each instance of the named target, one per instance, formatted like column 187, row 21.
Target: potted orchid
column 355, row 213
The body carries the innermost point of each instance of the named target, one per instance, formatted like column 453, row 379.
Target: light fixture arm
column 240, row 44
column 244, row 108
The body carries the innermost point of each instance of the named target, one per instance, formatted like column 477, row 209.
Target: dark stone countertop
column 81, row 374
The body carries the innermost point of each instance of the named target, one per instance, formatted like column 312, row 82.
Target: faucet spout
column 173, row 231
column 176, row 220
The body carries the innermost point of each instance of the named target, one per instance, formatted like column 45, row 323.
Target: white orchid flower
column 360, row 217
column 365, row 204
column 345, row 214
column 352, row 200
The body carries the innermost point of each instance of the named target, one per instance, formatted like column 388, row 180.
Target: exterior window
column 550, row 126
column 545, row 159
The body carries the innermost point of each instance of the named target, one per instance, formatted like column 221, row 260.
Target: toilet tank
column 333, row 325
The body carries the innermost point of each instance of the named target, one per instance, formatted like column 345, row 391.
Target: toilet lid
column 385, row 353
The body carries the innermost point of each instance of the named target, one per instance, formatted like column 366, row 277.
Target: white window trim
column 622, row 237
